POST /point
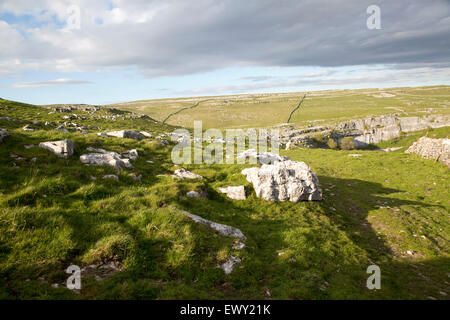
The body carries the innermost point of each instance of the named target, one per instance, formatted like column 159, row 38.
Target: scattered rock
column 239, row 246
column 391, row 149
column 235, row 193
column 230, row 264
column 435, row 149
column 131, row 154
column 27, row 128
column 163, row 142
column 149, row 161
column 196, row 194
column 136, row 177
column 261, row 157
column 146, row 134
column 111, row 176
column 28, row 146
column 287, row 180
column 62, row 148
column 101, row 272
column 355, row 155
column 62, row 129
column 126, row 134
column 289, row 145
column 221, row 228
column 3, row 134
column 184, row 174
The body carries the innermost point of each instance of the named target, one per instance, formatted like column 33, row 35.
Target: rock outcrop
column 284, row 181
column 103, row 157
column 365, row 131
column 126, row 134
column 435, row 149
column 235, row 193
column 62, row 148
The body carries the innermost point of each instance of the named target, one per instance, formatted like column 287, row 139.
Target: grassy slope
column 273, row 109
column 375, row 209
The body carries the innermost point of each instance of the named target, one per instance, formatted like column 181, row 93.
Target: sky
column 102, row 52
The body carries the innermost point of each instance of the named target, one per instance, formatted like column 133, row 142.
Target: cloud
column 388, row 76
column 57, row 82
column 169, row 37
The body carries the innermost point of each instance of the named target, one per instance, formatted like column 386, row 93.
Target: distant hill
column 259, row 110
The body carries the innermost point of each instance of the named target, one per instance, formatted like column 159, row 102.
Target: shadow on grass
column 319, row 250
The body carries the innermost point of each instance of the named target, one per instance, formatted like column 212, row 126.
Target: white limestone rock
column 62, row 148
column 103, row 157
column 230, row 264
column 185, row 174
column 221, row 228
column 284, row 181
column 126, row 134
column 235, row 193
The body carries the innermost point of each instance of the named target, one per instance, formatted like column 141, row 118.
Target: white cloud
column 57, row 82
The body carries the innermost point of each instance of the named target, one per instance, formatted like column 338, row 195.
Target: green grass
column 375, row 208
column 320, row 107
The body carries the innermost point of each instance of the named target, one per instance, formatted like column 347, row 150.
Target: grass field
column 262, row 110
column 389, row 209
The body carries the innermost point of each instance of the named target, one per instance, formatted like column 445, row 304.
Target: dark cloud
column 173, row 38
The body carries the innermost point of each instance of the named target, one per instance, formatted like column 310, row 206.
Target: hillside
column 319, row 107
column 385, row 208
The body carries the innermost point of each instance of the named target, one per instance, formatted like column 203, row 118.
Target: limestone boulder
column 102, row 157
column 284, row 181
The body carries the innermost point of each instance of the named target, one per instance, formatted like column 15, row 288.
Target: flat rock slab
column 221, row 228
column 261, row 157
column 126, row 134
column 284, row 181
column 185, row 174
column 235, row 193
column 62, row 148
